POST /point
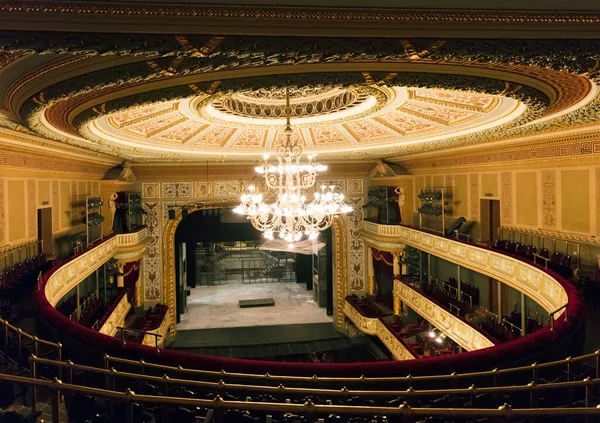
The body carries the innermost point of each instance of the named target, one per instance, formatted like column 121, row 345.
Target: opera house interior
column 330, row 211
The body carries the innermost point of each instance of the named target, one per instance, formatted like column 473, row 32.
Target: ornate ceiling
column 188, row 98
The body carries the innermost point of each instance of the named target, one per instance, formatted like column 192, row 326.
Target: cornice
column 321, row 21
column 580, row 146
column 211, row 170
column 20, row 142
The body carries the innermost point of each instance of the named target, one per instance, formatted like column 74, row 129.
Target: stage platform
column 214, row 319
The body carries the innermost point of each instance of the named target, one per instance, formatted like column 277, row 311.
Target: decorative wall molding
column 31, row 209
column 55, row 206
column 176, row 190
column 152, row 259
column 474, row 196
column 356, row 249
column 506, row 207
column 525, row 278
column 462, row 333
column 116, row 318
column 374, row 326
column 549, row 199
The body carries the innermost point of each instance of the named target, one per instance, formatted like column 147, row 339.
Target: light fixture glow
column 290, row 216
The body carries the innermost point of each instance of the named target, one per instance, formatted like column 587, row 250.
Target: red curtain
column 383, row 269
column 131, row 273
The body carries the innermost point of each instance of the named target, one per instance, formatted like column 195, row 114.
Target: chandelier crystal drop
column 290, row 217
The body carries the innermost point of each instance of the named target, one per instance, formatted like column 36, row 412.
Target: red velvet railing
column 487, row 358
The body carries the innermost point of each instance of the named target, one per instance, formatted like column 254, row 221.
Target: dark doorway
column 44, row 224
column 490, row 220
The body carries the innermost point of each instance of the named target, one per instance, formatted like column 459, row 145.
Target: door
column 490, row 220
column 44, row 220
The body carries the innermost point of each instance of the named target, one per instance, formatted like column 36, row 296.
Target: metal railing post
column 55, row 400
column 106, row 367
column 33, row 369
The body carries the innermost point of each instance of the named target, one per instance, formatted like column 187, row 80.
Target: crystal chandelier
column 290, row 217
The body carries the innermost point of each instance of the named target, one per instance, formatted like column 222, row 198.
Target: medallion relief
column 150, row 190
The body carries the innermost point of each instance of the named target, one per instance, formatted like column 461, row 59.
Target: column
column 458, row 284
column 523, row 320
column 396, row 261
column 396, row 304
column 120, row 278
column 370, row 272
column 78, row 303
column 139, row 298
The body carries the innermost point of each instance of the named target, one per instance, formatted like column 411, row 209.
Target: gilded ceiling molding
column 19, row 142
column 289, row 20
column 9, row 57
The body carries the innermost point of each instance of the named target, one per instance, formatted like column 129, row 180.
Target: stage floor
column 217, row 306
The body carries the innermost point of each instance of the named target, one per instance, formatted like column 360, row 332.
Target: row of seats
column 152, row 319
column 20, row 278
column 471, row 291
column 556, row 261
column 449, row 299
column 91, row 305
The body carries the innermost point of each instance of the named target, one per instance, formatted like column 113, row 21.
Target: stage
column 214, row 318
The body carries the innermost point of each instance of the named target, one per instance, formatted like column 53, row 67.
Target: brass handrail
column 58, row 388
column 362, row 379
column 344, row 392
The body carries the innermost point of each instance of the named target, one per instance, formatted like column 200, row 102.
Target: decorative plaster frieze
column 373, row 326
column 116, row 318
column 356, row 248
column 176, row 190
column 459, row 331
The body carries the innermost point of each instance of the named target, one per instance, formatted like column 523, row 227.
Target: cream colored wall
column 561, row 203
column 21, row 197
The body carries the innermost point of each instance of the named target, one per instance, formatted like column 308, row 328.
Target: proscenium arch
column 339, row 229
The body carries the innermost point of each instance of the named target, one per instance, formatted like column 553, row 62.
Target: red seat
column 555, row 258
column 566, row 261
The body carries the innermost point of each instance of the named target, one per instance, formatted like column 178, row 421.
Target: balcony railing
column 70, row 274
column 533, row 281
